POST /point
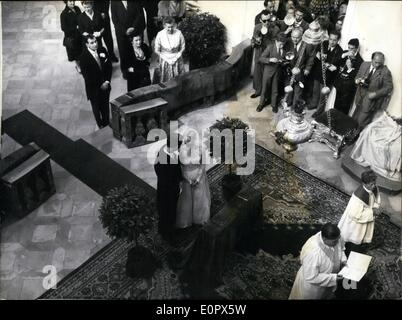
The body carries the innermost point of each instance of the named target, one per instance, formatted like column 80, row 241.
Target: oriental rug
column 296, row 204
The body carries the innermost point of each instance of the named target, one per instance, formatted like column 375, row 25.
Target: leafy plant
column 127, row 212
column 233, row 124
column 205, row 39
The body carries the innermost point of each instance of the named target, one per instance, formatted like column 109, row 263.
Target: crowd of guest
column 297, row 57
column 139, row 27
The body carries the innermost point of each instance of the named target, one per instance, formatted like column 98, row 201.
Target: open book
column 356, row 266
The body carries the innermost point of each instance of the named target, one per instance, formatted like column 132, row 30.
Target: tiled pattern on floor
column 64, row 232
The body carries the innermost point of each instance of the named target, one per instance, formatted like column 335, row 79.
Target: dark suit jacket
column 124, row 19
column 69, row 21
column 85, row 24
column 307, row 59
column 334, row 57
column 167, row 191
column 102, row 6
column 139, row 65
column 304, row 25
column 273, row 30
column 380, row 83
column 343, row 74
column 258, row 17
column 93, row 75
column 271, row 52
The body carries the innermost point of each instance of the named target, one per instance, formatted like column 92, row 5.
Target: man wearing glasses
column 264, row 33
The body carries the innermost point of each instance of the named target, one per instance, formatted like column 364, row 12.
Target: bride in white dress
column 195, row 200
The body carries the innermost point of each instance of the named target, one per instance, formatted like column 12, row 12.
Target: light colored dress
column 357, row 222
column 380, row 147
column 195, row 200
column 169, row 47
column 316, row 278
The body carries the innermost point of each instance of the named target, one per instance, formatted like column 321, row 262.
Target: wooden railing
column 140, row 110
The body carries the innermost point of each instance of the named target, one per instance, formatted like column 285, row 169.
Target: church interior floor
column 66, row 231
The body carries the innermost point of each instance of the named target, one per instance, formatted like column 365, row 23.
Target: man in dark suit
column 271, row 60
column 151, row 9
column 332, row 57
column 102, row 7
column 127, row 17
column 270, row 7
column 300, row 65
column 345, row 80
column 168, row 171
column 90, row 22
column 299, row 19
column 264, row 33
column 374, row 82
column 96, row 68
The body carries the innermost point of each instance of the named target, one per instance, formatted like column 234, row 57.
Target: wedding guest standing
column 331, row 57
column 345, row 80
column 138, row 64
column 103, row 7
column 127, row 17
column 271, row 60
column 72, row 38
column 90, row 22
column 374, row 81
column 195, row 200
column 168, row 172
column 263, row 34
column 151, row 16
column 169, row 46
column 175, row 9
column 269, row 5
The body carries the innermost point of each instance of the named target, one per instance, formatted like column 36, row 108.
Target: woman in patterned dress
column 169, row 46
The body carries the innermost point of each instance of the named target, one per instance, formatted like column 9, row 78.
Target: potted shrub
column 126, row 213
column 205, row 39
column 231, row 182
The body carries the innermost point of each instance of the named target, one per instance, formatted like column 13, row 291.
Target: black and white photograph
column 201, row 150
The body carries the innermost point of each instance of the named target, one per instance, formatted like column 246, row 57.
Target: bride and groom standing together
column 183, row 196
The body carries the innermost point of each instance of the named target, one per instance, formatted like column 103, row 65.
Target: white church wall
column 377, row 25
column 237, row 16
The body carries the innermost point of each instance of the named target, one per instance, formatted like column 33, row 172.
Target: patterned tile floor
column 66, row 231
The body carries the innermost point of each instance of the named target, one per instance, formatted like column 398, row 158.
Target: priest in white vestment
column 321, row 258
column 357, row 222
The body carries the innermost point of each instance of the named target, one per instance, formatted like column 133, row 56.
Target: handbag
column 68, row 42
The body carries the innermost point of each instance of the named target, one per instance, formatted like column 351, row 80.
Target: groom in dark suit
column 168, row 171
column 96, row 68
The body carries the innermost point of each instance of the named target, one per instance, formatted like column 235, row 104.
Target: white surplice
column 357, row 222
column 316, row 278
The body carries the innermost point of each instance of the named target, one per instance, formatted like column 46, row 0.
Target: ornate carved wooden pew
column 26, row 180
column 167, row 101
